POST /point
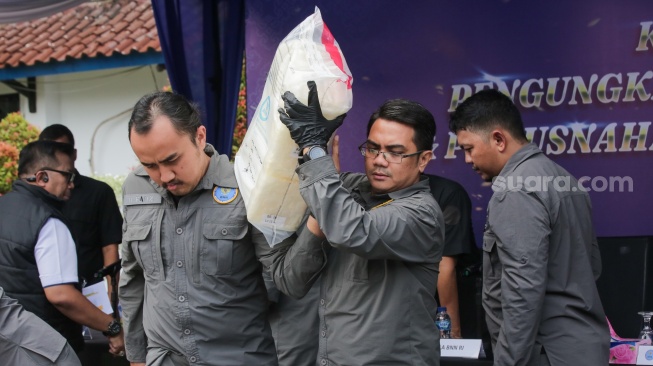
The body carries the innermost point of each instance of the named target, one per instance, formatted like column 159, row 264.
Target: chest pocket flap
column 138, row 237
column 137, row 232
column 217, row 231
column 218, row 247
column 491, row 264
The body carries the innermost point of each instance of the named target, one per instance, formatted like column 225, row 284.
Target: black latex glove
column 307, row 125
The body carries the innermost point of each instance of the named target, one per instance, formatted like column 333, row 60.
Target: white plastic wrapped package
column 266, row 161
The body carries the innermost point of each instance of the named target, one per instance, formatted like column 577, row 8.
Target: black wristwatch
column 113, row 329
column 313, row 152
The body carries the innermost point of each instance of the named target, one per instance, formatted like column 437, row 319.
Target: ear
column 42, row 178
column 424, row 159
column 499, row 140
column 200, row 136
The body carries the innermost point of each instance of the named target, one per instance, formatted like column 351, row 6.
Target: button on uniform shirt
column 378, row 269
column 191, row 280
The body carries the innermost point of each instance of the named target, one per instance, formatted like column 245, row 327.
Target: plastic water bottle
column 443, row 322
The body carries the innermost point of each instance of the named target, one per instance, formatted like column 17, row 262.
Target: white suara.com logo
column 562, row 183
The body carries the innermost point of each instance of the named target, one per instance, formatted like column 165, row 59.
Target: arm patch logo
column 223, row 195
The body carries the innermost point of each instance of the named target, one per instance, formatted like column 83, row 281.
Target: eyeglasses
column 70, row 176
column 390, row 157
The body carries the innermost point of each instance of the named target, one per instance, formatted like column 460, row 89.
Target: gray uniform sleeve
column 131, row 293
column 294, row 264
column 520, row 222
column 380, row 233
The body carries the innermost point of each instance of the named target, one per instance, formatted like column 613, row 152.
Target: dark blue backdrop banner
column 202, row 43
column 581, row 73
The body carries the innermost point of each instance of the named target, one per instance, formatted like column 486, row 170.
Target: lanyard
column 382, row 204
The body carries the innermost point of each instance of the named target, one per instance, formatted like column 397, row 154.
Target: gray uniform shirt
column 191, row 283
column 541, row 261
column 377, row 302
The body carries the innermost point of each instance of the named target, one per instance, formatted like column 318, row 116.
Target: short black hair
column 40, row 154
column 55, row 132
column 184, row 115
column 409, row 113
column 486, row 110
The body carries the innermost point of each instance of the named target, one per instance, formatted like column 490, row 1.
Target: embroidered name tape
column 224, row 195
column 141, row 199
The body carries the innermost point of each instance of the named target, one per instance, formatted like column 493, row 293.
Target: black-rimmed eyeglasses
column 70, row 176
column 390, row 157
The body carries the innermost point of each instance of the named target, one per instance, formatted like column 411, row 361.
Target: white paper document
column 97, row 294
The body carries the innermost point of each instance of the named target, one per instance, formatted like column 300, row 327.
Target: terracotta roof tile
column 138, row 33
column 58, row 43
column 60, row 53
column 76, row 51
column 44, row 55
column 73, row 41
column 83, row 23
column 120, row 26
column 14, row 47
column 88, row 30
column 135, row 25
column 131, row 16
column 15, row 58
column 31, row 54
column 56, row 35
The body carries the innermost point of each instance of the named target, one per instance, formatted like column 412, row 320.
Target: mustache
column 174, row 182
column 382, row 172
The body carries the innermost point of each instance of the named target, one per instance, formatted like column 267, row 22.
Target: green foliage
column 15, row 133
column 8, row 166
column 115, row 182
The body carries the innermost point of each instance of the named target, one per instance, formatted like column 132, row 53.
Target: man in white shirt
column 38, row 261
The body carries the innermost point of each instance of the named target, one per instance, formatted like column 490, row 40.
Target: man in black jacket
column 38, row 264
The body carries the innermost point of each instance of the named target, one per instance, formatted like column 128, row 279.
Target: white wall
column 89, row 101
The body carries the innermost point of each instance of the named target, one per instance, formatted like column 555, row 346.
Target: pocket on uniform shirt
column 138, row 237
column 217, row 249
column 491, row 263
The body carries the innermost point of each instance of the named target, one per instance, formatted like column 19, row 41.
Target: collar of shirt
column 372, row 200
column 526, row 152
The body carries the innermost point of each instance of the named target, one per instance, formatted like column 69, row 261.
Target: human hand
column 314, row 227
column 117, row 344
column 307, row 126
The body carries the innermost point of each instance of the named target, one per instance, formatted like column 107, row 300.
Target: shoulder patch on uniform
column 224, row 195
column 141, row 199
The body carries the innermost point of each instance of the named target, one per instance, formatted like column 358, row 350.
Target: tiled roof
column 88, row 30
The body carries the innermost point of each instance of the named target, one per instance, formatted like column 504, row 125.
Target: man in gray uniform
column 375, row 238
column 541, row 257
column 191, row 291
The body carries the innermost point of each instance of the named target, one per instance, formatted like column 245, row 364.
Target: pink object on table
column 624, row 350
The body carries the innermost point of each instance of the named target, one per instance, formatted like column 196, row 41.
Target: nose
column 379, row 160
column 468, row 158
column 167, row 175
